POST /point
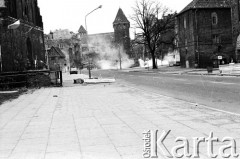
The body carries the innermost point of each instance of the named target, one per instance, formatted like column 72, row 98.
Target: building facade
column 236, row 27
column 205, row 34
column 104, row 45
column 21, row 35
column 121, row 27
column 66, row 42
column 56, row 59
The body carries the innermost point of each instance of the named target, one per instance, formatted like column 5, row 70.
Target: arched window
column 214, row 18
column 185, row 22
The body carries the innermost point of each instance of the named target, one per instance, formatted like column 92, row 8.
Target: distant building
column 95, row 42
column 119, row 38
column 75, row 46
column 62, row 34
column 82, row 35
column 56, row 59
column 205, row 34
column 99, row 41
column 66, row 41
column 21, row 35
column 82, row 31
column 121, row 27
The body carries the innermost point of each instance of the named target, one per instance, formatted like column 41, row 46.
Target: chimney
column 51, row 35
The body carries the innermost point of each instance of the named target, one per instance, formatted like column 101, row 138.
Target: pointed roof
column 82, row 29
column 196, row 4
column 55, row 51
column 120, row 18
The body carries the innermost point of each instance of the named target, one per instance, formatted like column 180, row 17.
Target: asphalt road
column 212, row 91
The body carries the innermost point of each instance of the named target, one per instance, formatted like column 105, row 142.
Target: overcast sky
column 70, row 14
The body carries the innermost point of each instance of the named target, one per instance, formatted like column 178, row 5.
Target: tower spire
column 121, row 27
column 120, row 17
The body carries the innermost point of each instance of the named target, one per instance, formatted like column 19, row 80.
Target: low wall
column 34, row 78
column 230, row 69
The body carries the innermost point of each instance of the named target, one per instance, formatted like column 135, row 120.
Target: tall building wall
column 21, row 46
column 204, row 33
column 121, row 27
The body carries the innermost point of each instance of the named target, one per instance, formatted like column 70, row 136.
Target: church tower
column 121, row 27
column 82, row 31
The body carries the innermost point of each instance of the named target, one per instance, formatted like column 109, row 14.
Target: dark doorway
column 29, row 53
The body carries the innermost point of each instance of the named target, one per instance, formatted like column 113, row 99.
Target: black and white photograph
column 119, row 79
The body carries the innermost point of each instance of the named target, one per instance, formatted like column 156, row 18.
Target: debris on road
column 78, row 81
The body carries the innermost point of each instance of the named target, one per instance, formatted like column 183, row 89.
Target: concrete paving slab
column 99, row 121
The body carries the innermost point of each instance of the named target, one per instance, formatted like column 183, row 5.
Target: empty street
column 214, row 91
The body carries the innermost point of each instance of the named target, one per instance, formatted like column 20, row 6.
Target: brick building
column 56, row 59
column 22, row 46
column 205, row 33
column 100, row 43
column 236, row 27
column 121, row 27
column 62, row 39
column 75, row 46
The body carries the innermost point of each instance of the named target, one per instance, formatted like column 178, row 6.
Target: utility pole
column 87, row 38
column 89, row 68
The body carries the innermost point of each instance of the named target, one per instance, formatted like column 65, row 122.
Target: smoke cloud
column 109, row 54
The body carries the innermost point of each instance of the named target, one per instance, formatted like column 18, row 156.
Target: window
column 216, row 39
column 60, row 46
column 185, row 22
column 214, row 18
column 186, row 43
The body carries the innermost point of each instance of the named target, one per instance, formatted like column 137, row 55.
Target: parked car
column 73, row 70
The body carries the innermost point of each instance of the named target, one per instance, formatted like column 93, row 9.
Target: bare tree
column 154, row 21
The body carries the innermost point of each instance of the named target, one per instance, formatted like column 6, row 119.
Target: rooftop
column 82, row 30
column 120, row 18
column 196, row 4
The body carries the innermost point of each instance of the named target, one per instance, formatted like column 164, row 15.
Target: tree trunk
column 153, row 61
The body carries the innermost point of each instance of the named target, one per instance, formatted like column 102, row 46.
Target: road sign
column 219, row 57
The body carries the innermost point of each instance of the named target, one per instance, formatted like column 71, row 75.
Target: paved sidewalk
column 101, row 122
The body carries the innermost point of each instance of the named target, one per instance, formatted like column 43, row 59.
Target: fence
column 36, row 78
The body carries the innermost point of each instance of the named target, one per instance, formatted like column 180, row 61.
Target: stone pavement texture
column 101, row 122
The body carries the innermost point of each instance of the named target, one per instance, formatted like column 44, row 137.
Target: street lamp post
column 90, row 13
column 87, row 37
column 89, row 67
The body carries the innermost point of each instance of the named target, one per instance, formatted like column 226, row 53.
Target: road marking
column 179, row 79
column 144, row 76
column 215, row 82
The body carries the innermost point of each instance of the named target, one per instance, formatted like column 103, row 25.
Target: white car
column 73, row 70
